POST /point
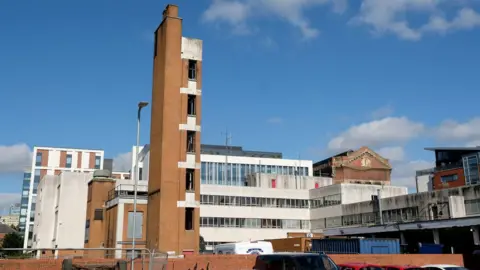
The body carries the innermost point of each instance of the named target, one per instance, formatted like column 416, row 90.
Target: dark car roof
column 289, row 254
column 358, row 264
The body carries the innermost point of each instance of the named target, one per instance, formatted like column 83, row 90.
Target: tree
column 12, row 240
column 202, row 244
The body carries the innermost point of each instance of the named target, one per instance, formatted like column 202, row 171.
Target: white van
column 252, row 247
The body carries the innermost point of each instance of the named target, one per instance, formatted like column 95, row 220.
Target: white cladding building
column 61, row 208
column 245, row 195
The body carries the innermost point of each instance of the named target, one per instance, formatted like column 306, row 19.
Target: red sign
column 274, row 183
column 317, row 185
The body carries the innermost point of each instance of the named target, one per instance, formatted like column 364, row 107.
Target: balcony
column 450, row 166
column 127, row 192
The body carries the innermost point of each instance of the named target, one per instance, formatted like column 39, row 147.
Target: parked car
column 359, row 266
column 294, row 261
column 443, row 267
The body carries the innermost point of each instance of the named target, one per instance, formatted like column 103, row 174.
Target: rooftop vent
column 102, row 174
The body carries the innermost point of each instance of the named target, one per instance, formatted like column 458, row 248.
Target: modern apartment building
column 52, row 161
column 24, row 201
column 455, row 167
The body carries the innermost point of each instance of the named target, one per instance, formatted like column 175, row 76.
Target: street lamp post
column 141, row 105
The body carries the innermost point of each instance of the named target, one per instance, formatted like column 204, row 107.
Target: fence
column 91, row 258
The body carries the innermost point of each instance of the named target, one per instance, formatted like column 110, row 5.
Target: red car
column 402, row 267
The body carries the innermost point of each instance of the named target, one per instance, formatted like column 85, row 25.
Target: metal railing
column 125, row 191
column 82, row 258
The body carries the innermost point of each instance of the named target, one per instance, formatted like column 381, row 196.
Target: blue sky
column 305, row 77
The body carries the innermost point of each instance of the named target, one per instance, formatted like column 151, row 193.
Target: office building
column 455, row 166
column 14, row 209
column 363, row 166
column 10, row 220
column 52, row 161
column 255, row 195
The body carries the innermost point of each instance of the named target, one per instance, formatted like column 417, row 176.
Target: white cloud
column 393, row 153
column 236, row 13
column 377, row 133
column 380, row 16
column 232, row 12
column 391, row 17
column 403, row 173
column 465, row 19
column 7, row 199
column 455, row 132
column 122, row 162
column 14, row 158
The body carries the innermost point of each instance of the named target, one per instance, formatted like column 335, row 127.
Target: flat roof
column 344, row 153
column 473, row 148
column 211, row 149
column 419, row 225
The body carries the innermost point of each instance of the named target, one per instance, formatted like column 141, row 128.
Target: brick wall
column 236, row 262
column 240, row 262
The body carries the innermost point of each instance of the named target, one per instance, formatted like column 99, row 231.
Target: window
column 190, row 141
column 189, row 219
column 97, row 162
column 38, row 159
column 470, row 167
column 190, row 180
column 155, row 44
column 140, row 174
column 87, row 231
column 69, row 161
column 192, row 69
column 98, row 215
column 191, row 110
column 138, row 225
column 449, row 178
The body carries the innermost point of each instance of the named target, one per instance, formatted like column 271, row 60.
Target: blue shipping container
column 356, row 246
column 430, row 248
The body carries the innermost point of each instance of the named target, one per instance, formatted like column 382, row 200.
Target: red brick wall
column 437, row 181
column 238, row 262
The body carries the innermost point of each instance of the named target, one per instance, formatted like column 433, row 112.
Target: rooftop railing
column 127, row 192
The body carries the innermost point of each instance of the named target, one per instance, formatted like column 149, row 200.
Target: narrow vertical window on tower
column 190, row 141
column 189, row 219
column 189, row 180
column 192, row 70
column 191, row 110
column 155, row 44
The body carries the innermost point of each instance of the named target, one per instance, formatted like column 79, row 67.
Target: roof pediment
column 363, row 159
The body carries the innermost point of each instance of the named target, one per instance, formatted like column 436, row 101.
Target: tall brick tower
column 174, row 177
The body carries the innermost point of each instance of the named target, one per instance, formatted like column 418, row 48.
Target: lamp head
column 142, row 104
